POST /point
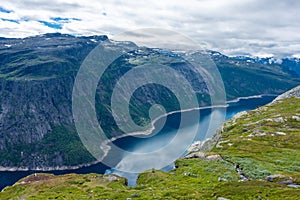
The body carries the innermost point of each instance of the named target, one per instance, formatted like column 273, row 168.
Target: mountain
column 37, row 76
column 289, row 63
column 255, row 156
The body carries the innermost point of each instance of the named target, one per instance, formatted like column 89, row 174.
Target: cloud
column 3, row 10
column 256, row 27
column 10, row 20
column 52, row 25
column 58, row 22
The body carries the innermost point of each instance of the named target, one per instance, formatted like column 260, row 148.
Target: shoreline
column 46, row 169
column 152, row 128
column 106, row 148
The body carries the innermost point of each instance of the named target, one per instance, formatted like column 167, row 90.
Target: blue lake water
column 158, row 140
column 208, row 123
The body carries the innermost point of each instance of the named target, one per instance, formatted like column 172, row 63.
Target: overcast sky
column 234, row 27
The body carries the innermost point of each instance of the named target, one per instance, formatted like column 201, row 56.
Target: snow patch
column 93, row 40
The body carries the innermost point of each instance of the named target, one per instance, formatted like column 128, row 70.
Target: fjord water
column 206, row 128
column 133, row 144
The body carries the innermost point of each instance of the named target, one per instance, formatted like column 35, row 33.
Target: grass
column 270, row 153
column 193, row 179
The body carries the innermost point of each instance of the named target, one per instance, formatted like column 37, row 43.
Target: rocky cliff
column 295, row 92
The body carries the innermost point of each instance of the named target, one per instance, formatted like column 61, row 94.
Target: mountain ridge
column 36, row 81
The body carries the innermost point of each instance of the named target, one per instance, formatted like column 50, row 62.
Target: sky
column 234, row 27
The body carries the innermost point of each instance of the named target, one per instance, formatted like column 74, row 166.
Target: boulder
column 297, row 118
column 196, row 155
column 274, row 176
column 222, row 198
column 213, row 157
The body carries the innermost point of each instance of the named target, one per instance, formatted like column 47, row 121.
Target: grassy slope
column 257, row 156
column 256, row 147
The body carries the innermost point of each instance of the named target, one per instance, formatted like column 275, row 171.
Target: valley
column 37, row 78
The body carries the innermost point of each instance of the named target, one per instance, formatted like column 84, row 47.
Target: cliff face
column 37, row 77
column 31, row 108
column 36, row 81
column 30, row 112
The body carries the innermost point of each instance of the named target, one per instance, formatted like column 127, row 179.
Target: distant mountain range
column 36, row 81
column 291, row 63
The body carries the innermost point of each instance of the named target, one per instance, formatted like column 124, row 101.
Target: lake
column 157, row 141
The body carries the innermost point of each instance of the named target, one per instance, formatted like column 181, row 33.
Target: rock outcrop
column 295, row 92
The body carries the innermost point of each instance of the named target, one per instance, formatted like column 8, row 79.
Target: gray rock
column 222, row 179
column 196, row 146
column 297, row 118
column 280, row 133
column 213, row 157
column 286, row 182
column 222, row 198
column 111, row 177
column 238, row 115
column 293, row 185
column 279, row 120
column 274, row 176
column 295, row 92
column 196, row 155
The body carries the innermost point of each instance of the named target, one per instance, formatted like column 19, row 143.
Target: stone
column 280, row 133
column 274, row 176
column 238, row 115
column 295, row 92
column 293, row 185
column 213, row 157
column 196, row 155
column 221, row 142
column 222, row 179
column 222, row 198
column 196, row 146
column 111, row 178
column 297, row 118
column 286, row 182
column 279, row 120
